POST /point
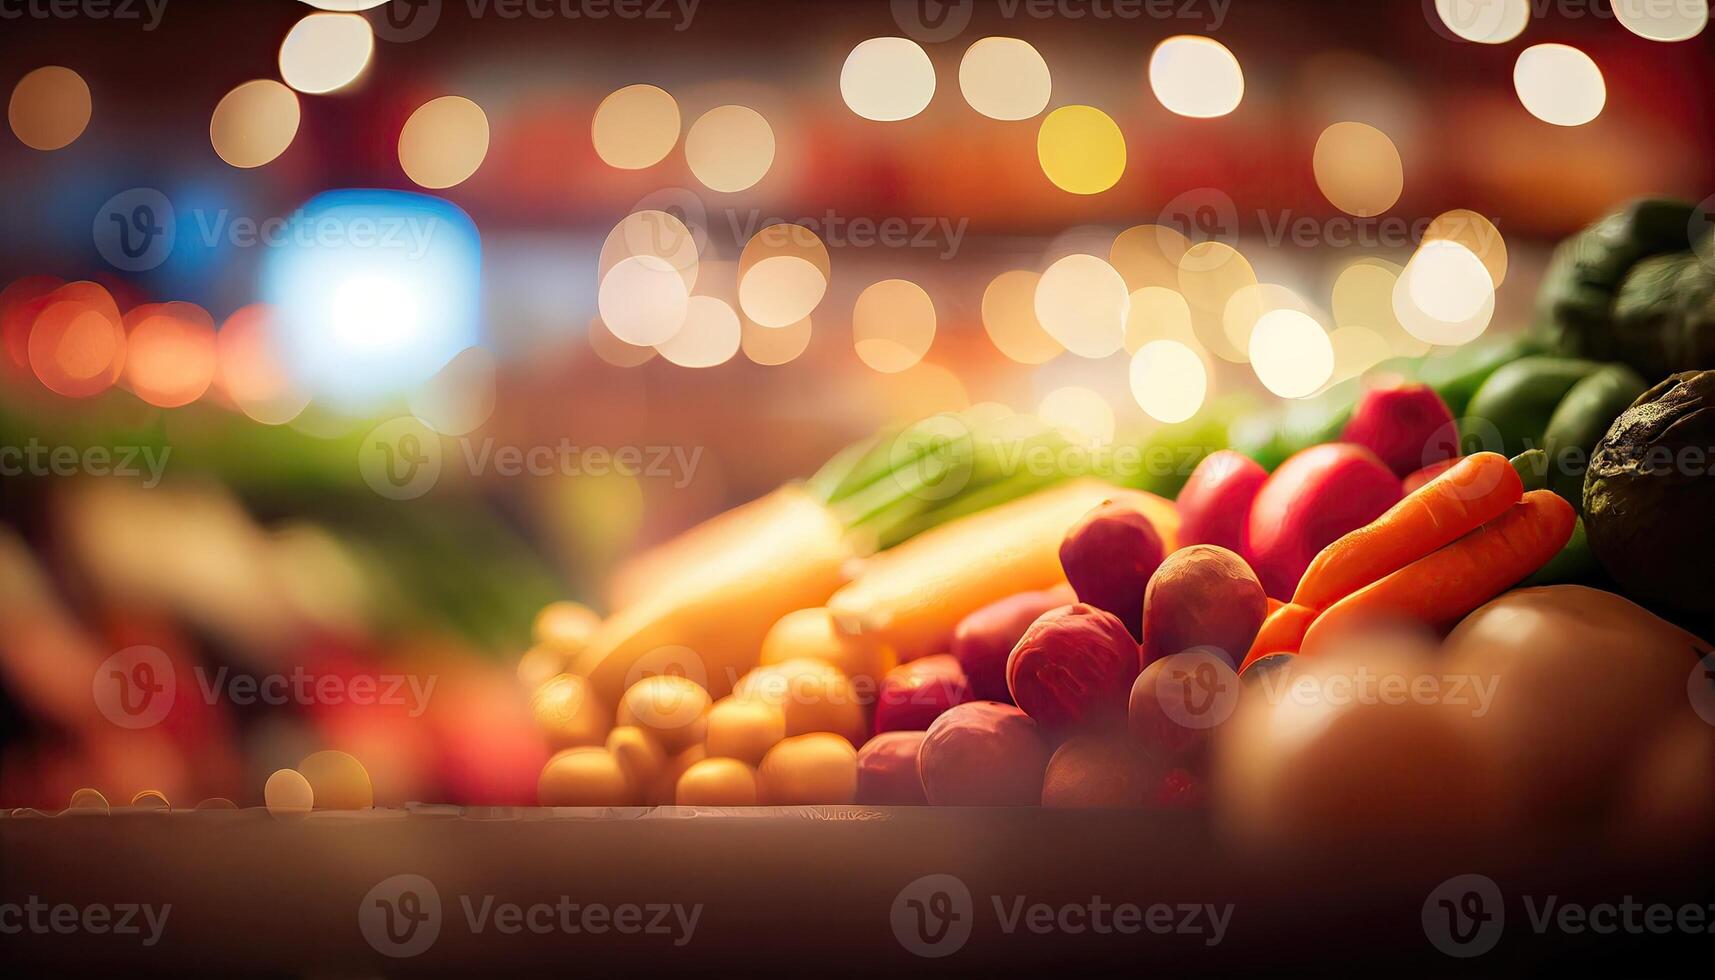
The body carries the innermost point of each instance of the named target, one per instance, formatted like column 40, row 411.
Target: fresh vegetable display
column 1075, row 642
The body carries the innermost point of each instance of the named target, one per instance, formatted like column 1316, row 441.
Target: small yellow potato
column 744, row 729
column 565, row 625
column 717, row 782
column 540, row 664
column 338, row 780
column 585, row 776
column 666, row 786
column 569, row 713
column 640, row 756
column 813, row 633
column 808, row 769
column 812, row 695
column 87, row 799
column 672, row 708
column 288, row 794
column 151, row 799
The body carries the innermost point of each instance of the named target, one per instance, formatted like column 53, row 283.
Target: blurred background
column 338, row 342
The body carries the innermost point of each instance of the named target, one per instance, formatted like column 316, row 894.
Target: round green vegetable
column 1649, row 498
column 1581, row 420
column 1516, row 402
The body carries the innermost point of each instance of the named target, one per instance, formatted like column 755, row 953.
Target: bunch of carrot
column 1451, row 545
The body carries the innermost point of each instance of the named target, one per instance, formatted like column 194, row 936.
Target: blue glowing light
column 374, row 292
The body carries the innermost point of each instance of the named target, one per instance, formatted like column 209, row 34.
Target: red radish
column 1073, row 668
column 1407, row 426
column 985, row 638
column 1313, row 499
column 1216, row 501
column 1108, row 556
column 913, row 695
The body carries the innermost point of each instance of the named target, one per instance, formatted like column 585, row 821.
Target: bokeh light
column 635, row 127
column 171, row 360
column 20, row 302
column 1484, row 21
column 771, row 346
column 1148, row 255
column 1081, row 412
column 658, row 234
column 1009, row 317
column 783, row 273
column 252, row 372
column 893, row 325
column 710, row 335
column 254, row 123
column 1363, row 297
column 459, row 398
column 643, row 300
column 887, row 79
column 325, row 52
column 1169, row 380
column 1290, row 353
column 367, row 317
column 1476, row 233
column 1356, row 350
column 730, row 148
column 1358, row 168
column 1082, row 302
column 1676, row 20
column 1250, row 303
column 615, row 351
column 50, row 108
column 1005, row 78
column 1210, row 274
column 1559, row 84
column 77, row 344
column 1081, row 149
column 1159, row 313
column 444, row 142
column 1196, row 76
column 1445, row 295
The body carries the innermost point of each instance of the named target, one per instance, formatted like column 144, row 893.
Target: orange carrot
column 1281, row 632
column 1417, row 479
column 1469, row 494
column 1441, row 588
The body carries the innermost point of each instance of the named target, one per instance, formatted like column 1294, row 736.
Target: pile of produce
column 1062, row 640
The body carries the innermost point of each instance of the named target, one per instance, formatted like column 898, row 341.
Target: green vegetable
column 1532, row 469
column 1649, row 498
column 1271, row 438
column 1664, row 316
column 1512, row 409
column 1575, row 564
column 1580, row 422
column 1631, row 288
